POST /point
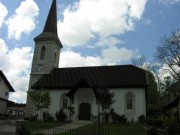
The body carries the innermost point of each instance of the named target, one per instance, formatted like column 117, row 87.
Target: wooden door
column 84, row 111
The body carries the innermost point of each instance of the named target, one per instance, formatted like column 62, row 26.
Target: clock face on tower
column 56, row 50
column 40, row 68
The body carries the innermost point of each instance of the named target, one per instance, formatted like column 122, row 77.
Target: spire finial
column 51, row 22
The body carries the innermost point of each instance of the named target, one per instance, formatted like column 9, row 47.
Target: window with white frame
column 65, row 103
column 129, row 101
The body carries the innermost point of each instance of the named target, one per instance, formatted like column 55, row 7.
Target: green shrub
column 142, row 119
column 155, row 123
column 106, row 117
column 25, row 130
column 26, row 118
column 61, row 116
column 172, row 127
column 34, row 118
column 152, row 131
column 47, row 116
column 117, row 118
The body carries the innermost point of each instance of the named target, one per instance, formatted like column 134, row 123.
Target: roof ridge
column 96, row 66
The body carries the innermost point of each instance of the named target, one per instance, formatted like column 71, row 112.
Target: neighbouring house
column 75, row 86
column 174, row 105
column 16, row 109
column 5, row 89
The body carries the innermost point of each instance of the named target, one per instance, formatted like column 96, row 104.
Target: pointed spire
column 50, row 28
column 51, row 22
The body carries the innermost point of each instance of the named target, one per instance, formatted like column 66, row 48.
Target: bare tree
column 138, row 61
column 168, row 53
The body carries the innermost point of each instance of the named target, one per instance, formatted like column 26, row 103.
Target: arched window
column 55, row 56
column 64, row 101
column 129, row 101
column 43, row 52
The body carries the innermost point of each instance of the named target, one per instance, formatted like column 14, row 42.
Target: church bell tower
column 46, row 53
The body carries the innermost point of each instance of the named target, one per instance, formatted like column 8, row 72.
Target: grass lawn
column 91, row 129
column 41, row 124
column 111, row 129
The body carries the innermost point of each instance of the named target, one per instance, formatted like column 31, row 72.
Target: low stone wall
column 7, row 127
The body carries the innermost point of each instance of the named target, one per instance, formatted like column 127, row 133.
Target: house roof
column 174, row 102
column 21, row 109
column 6, row 81
column 109, row 76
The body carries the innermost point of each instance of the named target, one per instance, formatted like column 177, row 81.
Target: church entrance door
column 84, row 111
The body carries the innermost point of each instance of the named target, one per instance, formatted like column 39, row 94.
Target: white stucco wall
column 87, row 96
column 139, row 102
column 55, row 100
column 3, row 89
column 3, row 106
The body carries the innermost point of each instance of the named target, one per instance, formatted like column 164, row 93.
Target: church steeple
column 50, row 28
column 51, row 22
column 46, row 53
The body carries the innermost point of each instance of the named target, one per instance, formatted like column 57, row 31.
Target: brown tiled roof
column 109, row 76
column 17, row 108
column 6, row 81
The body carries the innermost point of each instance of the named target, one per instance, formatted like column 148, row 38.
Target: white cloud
column 73, row 59
column 23, row 21
column 167, row 2
column 109, row 41
column 86, row 19
column 109, row 56
column 3, row 13
column 116, row 55
column 3, row 52
column 16, row 65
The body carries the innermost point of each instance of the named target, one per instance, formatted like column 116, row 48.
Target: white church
column 74, row 85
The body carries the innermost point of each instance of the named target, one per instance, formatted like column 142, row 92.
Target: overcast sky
column 93, row 32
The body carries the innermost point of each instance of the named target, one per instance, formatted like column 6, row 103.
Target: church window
column 43, row 52
column 65, row 103
column 55, row 55
column 129, row 101
column 6, row 94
